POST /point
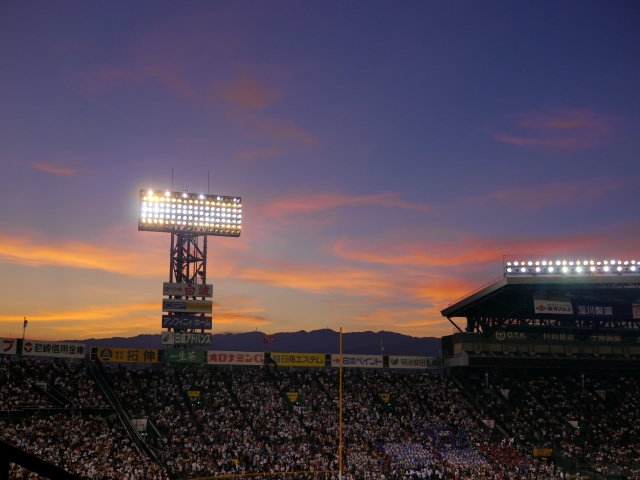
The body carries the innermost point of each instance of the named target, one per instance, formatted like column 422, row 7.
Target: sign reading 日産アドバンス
column 186, row 338
column 187, row 306
column 187, row 289
column 215, row 357
column 53, row 349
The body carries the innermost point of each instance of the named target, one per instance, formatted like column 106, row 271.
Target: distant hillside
column 316, row 341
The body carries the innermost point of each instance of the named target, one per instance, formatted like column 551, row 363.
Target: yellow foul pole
column 340, row 446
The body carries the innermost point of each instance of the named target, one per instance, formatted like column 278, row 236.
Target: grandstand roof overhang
column 509, row 301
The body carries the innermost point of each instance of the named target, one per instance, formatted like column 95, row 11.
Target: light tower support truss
column 188, row 258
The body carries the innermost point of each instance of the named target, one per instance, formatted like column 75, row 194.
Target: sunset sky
column 388, row 154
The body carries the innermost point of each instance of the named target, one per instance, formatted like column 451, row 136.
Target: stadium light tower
column 190, row 218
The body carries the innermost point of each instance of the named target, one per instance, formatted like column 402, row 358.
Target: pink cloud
column 557, row 128
column 247, row 92
column 54, row 169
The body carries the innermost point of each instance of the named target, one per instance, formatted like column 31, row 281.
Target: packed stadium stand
column 251, row 420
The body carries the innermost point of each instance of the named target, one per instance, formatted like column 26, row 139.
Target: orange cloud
column 557, row 128
column 54, row 169
column 248, row 93
column 325, row 201
column 32, row 251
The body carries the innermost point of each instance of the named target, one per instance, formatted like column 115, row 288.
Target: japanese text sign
column 215, row 357
column 53, row 349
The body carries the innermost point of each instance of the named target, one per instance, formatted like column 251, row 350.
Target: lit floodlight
column 537, row 269
column 578, row 269
column 593, row 269
column 606, row 269
column 190, row 212
column 523, row 270
column 550, row 269
column 509, row 269
column 619, row 269
column 565, row 269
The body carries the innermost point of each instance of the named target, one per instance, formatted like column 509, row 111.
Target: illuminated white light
column 516, row 263
column 585, row 263
column 578, row 262
column 599, row 263
column 550, row 269
column 565, row 269
column 544, row 262
column 530, row 263
column 523, row 270
column 150, row 192
column 558, row 262
column 613, row 262
column 619, row 269
column 593, row 269
column 564, row 262
column 537, row 269
column 606, row 269
column 578, row 269
column 167, row 193
column 571, row 263
column 626, row 262
column 605, row 262
column 633, row 268
column 537, row 263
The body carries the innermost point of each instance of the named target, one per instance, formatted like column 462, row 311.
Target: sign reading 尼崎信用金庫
column 187, row 289
column 128, row 355
column 53, row 349
column 552, row 307
column 185, row 356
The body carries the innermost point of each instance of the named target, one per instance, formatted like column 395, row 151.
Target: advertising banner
column 185, row 356
column 187, row 306
column 412, row 362
column 292, row 396
column 552, row 307
column 53, row 349
column 542, row 452
column 194, row 395
column 185, row 338
column 355, row 361
column 584, row 309
column 636, row 311
column 140, row 424
column 127, row 355
column 385, row 397
column 187, row 289
column 8, row 346
column 215, row 357
column 489, row 423
column 298, row 359
column 186, row 321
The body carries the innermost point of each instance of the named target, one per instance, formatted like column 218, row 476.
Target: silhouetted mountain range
column 316, row 341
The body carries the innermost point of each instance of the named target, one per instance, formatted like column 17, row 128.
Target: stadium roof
column 515, row 301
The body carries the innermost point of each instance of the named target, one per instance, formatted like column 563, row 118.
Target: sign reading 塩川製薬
column 186, row 321
column 53, row 349
column 187, row 289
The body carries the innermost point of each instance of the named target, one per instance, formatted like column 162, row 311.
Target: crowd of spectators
column 214, row 421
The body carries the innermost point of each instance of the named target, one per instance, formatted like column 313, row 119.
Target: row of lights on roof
column 202, row 197
column 571, row 263
column 576, row 269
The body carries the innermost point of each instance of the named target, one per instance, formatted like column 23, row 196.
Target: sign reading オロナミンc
column 215, row 357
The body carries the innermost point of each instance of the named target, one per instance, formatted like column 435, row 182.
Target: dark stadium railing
column 10, row 454
column 488, row 284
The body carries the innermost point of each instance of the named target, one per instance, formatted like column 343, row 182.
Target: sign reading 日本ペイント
column 355, row 361
column 187, row 289
column 8, row 346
